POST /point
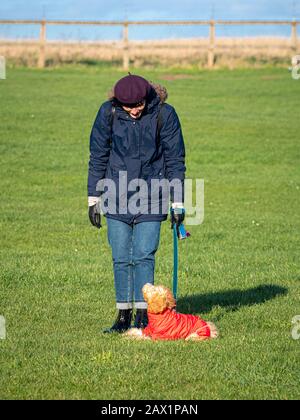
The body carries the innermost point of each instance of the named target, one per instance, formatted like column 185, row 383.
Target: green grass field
column 239, row 269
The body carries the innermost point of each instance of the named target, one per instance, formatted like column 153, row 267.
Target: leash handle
column 175, row 261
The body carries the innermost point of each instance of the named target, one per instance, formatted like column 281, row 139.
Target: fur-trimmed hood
column 157, row 90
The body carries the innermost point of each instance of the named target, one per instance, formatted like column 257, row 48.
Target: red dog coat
column 170, row 325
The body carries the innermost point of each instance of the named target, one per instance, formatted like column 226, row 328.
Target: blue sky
column 139, row 10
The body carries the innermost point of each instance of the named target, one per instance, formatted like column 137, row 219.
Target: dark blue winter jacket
column 133, row 149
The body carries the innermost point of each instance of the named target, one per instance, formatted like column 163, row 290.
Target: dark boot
column 141, row 318
column 122, row 323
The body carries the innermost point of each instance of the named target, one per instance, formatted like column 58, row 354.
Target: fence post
column 41, row 61
column 211, row 47
column 125, row 48
column 294, row 35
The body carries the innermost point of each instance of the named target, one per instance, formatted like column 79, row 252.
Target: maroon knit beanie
column 131, row 89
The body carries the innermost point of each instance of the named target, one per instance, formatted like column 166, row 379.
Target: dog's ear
column 157, row 300
column 156, row 306
column 170, row 301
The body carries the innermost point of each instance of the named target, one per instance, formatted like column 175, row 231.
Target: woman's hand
column 177, row 214
column 94, row 213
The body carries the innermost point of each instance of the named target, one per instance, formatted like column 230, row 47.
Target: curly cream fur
column 158, row 298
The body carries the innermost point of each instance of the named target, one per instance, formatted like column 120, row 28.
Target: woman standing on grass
column 135, row 136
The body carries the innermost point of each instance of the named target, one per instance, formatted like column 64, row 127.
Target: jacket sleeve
column 99, row 149
column 174, row 150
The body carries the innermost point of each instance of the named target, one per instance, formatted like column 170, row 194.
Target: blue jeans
column 133, row 251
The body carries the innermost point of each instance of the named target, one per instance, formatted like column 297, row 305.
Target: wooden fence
column 126, row 24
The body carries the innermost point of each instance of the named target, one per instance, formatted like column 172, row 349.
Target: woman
column 136, row 136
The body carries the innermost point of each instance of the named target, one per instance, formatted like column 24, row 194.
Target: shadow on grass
column 230, row 300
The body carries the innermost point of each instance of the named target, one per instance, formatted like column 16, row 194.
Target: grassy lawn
column 239, row 269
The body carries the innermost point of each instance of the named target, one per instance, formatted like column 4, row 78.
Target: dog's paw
column 196, row 337
column 214, row 333
column 135, row 333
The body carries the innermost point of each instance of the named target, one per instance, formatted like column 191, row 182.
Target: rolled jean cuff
column 140, row 305
column 124, row 305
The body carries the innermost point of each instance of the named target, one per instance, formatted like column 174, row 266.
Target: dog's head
column 158, row 298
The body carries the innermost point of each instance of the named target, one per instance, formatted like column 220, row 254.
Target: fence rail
column 126, row 24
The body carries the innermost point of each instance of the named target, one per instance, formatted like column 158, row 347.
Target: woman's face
column 135, row 111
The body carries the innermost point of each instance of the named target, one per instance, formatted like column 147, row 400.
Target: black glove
column 177, row 217
column 95, row 216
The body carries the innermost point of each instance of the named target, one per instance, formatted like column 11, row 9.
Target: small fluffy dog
column 167, row 324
